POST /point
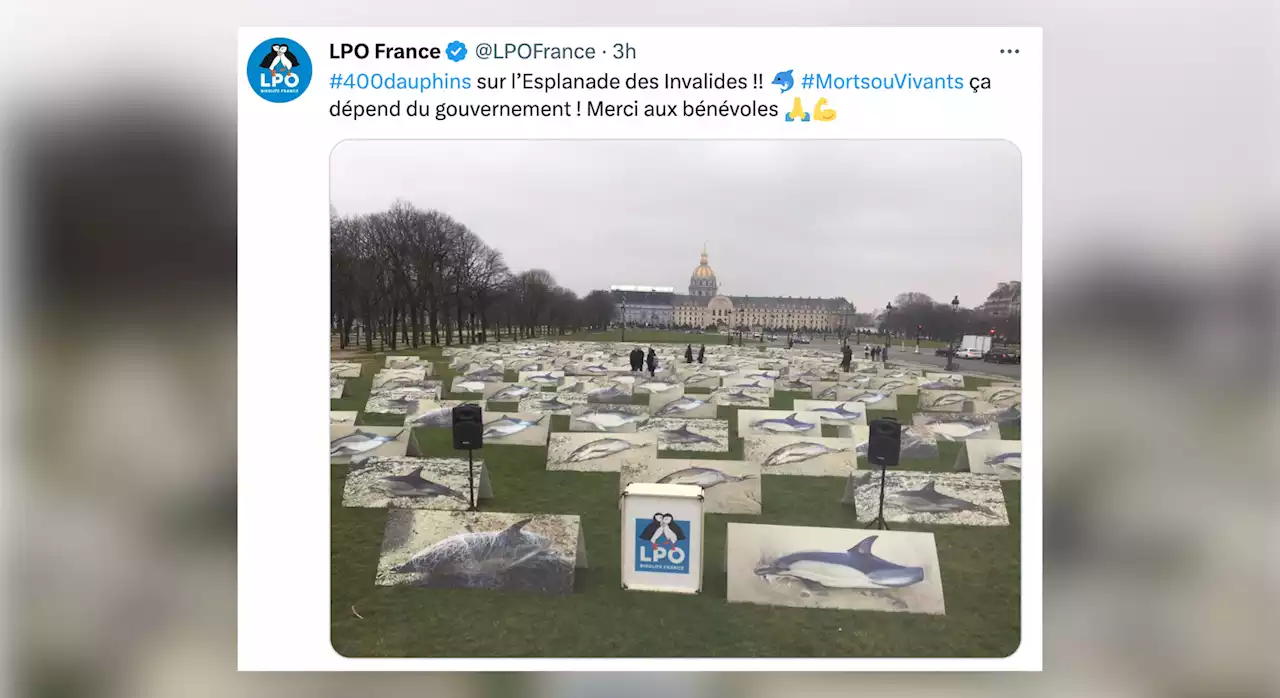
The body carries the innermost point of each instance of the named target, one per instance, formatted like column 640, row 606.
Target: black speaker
column 468, row 427
column 885, row 444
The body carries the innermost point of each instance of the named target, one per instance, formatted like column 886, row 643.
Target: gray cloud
column 865, row 220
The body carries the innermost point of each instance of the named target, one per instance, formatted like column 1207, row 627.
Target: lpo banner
column 662, row 538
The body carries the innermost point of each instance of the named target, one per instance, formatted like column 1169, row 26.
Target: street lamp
column 888, row 308
column 951, row 346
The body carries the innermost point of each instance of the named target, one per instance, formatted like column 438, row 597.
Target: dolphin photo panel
column 682, row 406
column 728, row 486
column 833, row 568
column 534, row 553
column 956, row 426
column 753, row 422
column 689, row 434
column 959, row 499
column 343, row 416
column 608, row 418
column 507, row 392
column 415, row 362
column 401, row 399
column 552, row 403
column 969, row 401
column 415, row 483
column 349, row 443
column 997, row 458
column 835, row 413
column 431, row 414
column 393, row 378
column 600, row 452
column 345, row 369
column 740, row 397
column 804, row 455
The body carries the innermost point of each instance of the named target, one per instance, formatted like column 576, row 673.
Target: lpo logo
column 279, row 70
column 663, row 545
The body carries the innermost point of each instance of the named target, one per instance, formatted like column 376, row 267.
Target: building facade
column 644, row 305
column 704, row 306
column 1005, row 301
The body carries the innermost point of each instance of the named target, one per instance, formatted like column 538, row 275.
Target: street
column 926, row 356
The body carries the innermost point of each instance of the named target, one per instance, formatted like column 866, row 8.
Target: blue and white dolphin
column 855, row 568
column 789, row 424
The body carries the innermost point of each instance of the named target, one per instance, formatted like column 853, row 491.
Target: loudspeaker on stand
column 883, row 449
column 468, row 435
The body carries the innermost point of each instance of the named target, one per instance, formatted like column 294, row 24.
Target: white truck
column 974, row 346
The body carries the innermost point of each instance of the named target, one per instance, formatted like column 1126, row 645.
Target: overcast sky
column 862, row 220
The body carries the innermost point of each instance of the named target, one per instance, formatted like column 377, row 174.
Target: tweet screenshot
column 647, row 349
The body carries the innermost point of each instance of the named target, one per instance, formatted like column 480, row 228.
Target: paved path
column 926, row 357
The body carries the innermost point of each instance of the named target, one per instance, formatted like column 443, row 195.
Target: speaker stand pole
column 471, row 481
column 879, row 522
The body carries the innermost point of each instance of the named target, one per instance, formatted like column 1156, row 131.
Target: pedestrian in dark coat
column 637, row 359
column 702, row 353
column 652, row 360
column 688, row 353
column 884, row 354
column 847, row 358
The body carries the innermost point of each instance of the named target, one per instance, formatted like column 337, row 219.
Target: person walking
column 637, row 359
column 847, row 358
column 866, row 351
column 652, row 360
column 884, row 354
column 875, row 353
column 688, row 353
column 702, row 353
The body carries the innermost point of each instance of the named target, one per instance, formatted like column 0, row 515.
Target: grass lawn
column 980, row 571
column 642, row 336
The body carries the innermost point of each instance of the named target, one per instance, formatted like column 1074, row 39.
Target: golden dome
column 704, row 270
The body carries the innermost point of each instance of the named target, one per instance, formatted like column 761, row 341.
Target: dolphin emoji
column 855, row 568
column 784, row 80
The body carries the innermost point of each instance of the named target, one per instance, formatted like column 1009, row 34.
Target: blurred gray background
column 1161, row 191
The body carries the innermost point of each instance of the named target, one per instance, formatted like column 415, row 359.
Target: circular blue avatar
column 279, row 70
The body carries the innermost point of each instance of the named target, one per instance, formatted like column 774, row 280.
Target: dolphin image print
column 855, row 568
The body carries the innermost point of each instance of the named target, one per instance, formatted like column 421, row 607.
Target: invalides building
column 704, row 306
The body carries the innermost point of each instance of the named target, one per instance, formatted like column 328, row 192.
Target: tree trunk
column 391, row 327
column 457, row 301
column 433, row 314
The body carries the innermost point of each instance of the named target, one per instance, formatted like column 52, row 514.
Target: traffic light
column 993, row 331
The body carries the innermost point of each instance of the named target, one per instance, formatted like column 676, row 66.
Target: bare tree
column 411, row 276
